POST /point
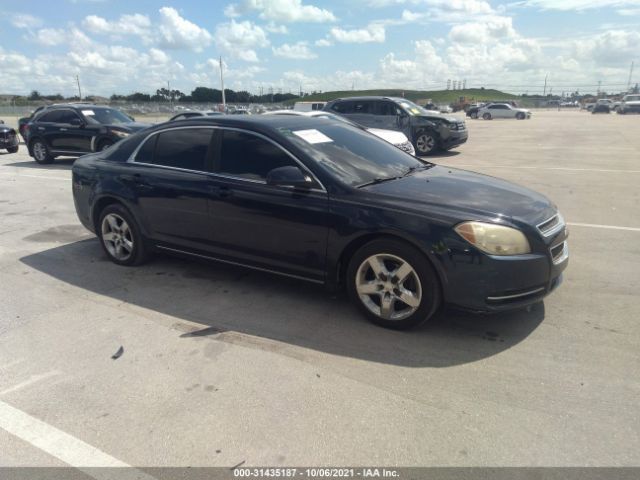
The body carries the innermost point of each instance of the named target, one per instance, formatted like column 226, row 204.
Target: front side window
column 363, row 107
column 351, row 154
column 66, row 116
column 387, row 108
column 183, row 148
column 249, row 156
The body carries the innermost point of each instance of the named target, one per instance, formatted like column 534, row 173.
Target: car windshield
column 105, row 116
column 412, row 108
column 632, row 98
column 351, row 154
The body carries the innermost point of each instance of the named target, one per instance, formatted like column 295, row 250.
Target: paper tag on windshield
column 88, row 112
column 312, row 136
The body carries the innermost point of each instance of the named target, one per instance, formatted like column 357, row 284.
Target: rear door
column 170, row 175
column 276, row 228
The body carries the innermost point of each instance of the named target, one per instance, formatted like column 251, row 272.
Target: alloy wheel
column 425, row 143
column 388, row 286
column 40, row 151
column 117, row 237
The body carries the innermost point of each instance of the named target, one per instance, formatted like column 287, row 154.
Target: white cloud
column 178, row 32
column 609, row 48
column 24, row 20
column 578, row 4
column 298, row 51
column 284, row 11
column 136, row 24
column 240, row 39
column 323, row 42
column 482, row 32
column 273, row 28
column 374, row 32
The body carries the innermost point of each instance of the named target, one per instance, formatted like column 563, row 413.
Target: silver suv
column 427, row 130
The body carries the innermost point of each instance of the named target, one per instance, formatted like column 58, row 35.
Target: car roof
column 258, row 123
column 373, row 97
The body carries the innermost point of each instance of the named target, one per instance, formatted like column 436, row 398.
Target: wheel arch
column 100, row 204
column 355, row 244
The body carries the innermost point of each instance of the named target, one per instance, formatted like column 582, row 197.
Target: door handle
column 220, row 192
column 136, row 179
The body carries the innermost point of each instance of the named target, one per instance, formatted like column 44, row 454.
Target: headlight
column 120, row 134
column 494, row 239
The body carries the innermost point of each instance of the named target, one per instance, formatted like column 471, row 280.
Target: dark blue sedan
column 327, row 202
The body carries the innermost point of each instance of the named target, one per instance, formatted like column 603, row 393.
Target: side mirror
column 289, row 177
column 76, row 122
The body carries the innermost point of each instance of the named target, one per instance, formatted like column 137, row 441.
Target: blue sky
column 121, row 47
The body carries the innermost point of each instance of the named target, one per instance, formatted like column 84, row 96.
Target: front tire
column 393, row 284
column 120, row 236
column 103, row 145
column 426, row 143
column 520, row 116
column 474, row 115
column 12, row 149
column 41, row 152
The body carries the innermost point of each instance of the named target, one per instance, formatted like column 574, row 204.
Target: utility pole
column 544, row 92
column 79, row 91
column 169, row 92
column 599, row 85
column 224, row 100
column 630, row 75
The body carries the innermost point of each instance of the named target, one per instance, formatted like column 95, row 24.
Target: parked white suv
column 630, row 103
column 503, row 110
column 394, row 137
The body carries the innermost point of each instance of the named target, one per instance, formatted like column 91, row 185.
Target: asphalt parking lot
column 222, row 365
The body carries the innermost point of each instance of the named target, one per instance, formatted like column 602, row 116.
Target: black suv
column 427, row 130
column 73, row 130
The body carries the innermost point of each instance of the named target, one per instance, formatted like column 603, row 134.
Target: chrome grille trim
column 551, row 225
column 517, row 295
column 561, row 254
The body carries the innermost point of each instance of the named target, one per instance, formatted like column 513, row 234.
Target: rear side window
column 343, row 107
column 49, row 116
column 184, row 148
column 145, row 154
column 249, row 156
column 66, row 116
column 363, row 107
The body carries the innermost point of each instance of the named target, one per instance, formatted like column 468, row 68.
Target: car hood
column 391, row 136
column 6, row 128
column 130, row 127
column 471, row 194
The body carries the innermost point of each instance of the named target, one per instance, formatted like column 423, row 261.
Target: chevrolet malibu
column 321, row 200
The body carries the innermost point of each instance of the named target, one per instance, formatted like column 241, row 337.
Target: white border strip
column 44, row 177
column 606, row 227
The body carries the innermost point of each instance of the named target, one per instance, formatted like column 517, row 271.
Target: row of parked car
column 75, row 129
column 629, row 104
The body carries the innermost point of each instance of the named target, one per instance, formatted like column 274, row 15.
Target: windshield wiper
column 376, row 181
column 417, row 167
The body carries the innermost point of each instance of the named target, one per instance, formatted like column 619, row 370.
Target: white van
column 308, row 106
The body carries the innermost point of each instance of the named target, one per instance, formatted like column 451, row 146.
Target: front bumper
column 455, row 138
column 485, row 283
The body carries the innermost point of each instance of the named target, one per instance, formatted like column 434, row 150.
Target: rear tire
column 12, row 149
column 385, row 273
column 474, row 115
column 41, row 152
column 486, row 116
column 120, row 236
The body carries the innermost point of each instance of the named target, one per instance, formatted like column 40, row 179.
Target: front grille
column 559, row 253
column 551, row 225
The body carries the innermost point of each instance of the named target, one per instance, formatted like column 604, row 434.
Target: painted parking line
column 606, row 227
column 525, row 167
column 30, row 381
column 44, row 177
column 65, row 447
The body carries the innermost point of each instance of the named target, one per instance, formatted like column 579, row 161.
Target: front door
column 277, row 228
